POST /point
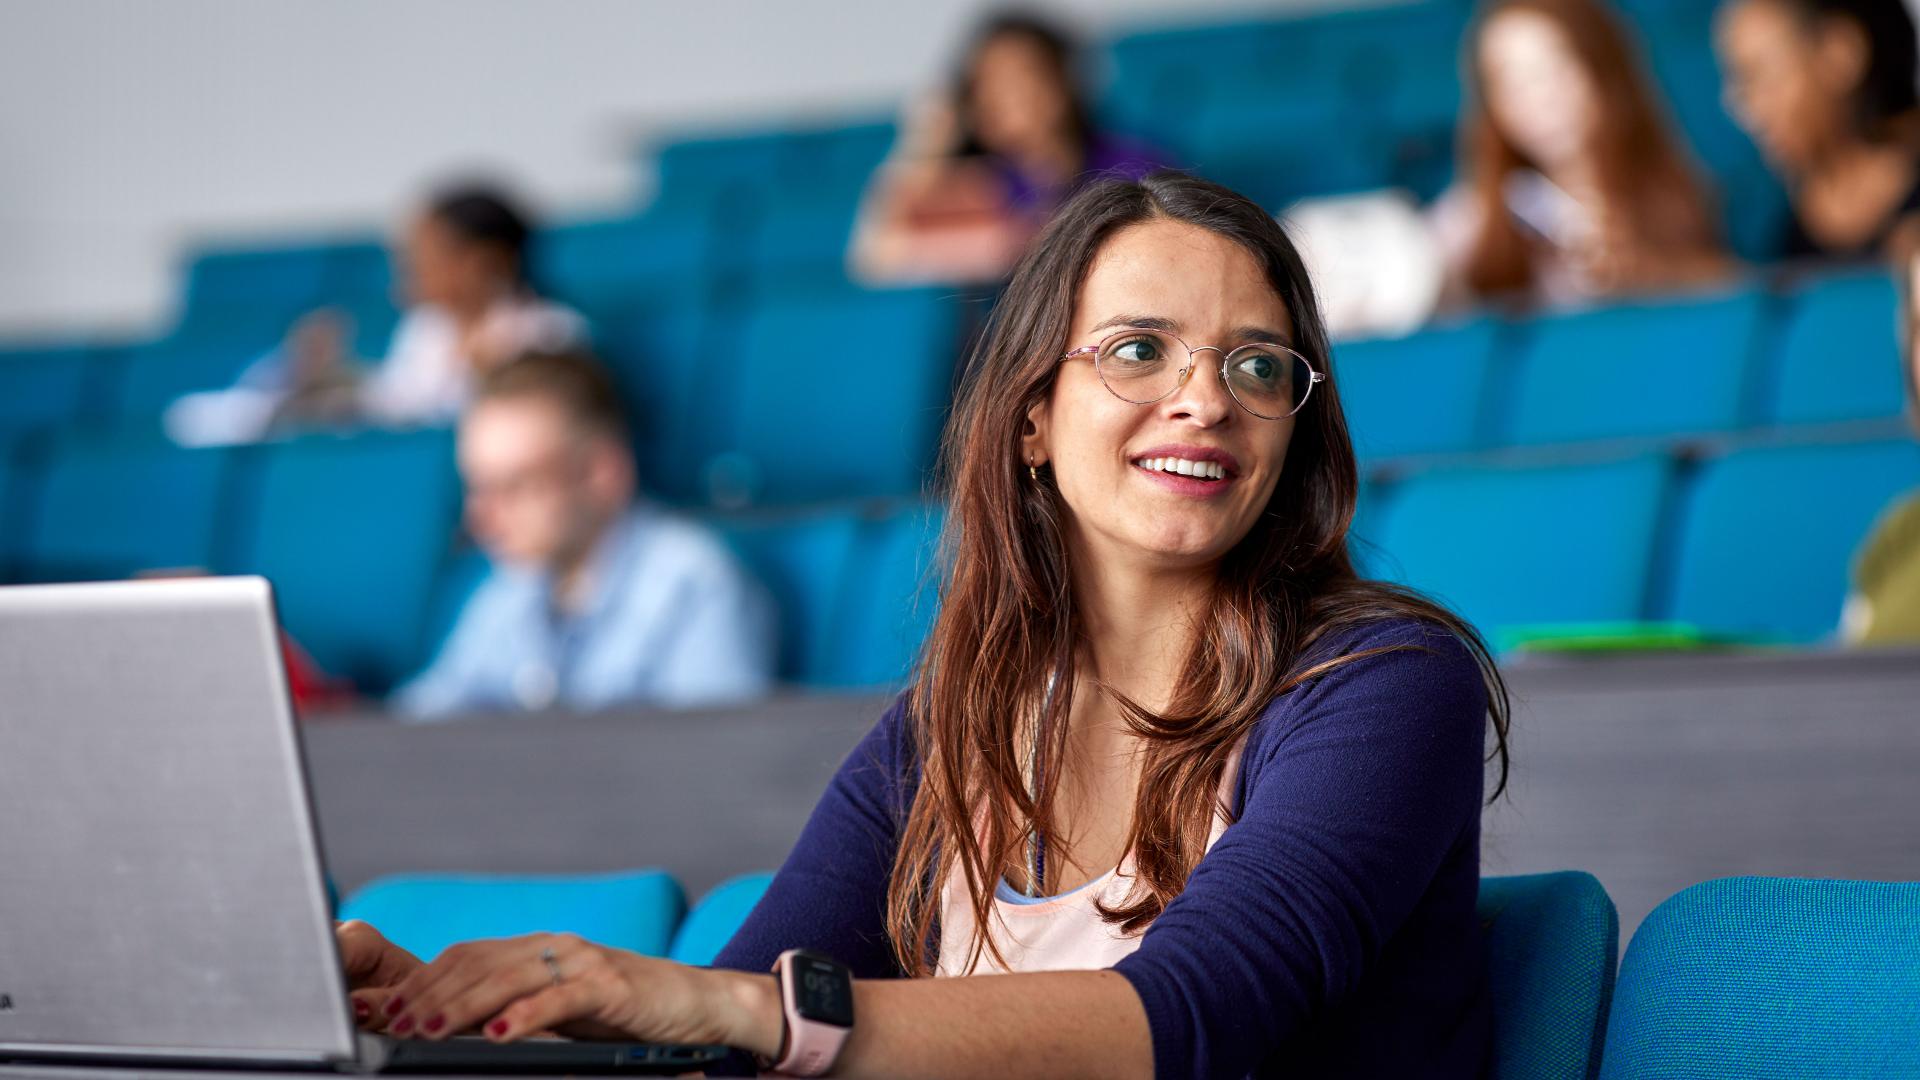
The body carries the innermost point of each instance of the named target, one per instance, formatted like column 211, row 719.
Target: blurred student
column 595, row 600
column 1573, row 186
column 470, row 308
column 1826, row 88
column 978, row 169
column 1884, row 605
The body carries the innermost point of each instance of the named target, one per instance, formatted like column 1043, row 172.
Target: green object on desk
column 1619, row 637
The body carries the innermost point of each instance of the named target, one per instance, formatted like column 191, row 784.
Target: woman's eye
column 1260, row 367
column 1138, row 351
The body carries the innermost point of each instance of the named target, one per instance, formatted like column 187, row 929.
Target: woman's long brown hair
column 1007, row 619
column 1644, row 175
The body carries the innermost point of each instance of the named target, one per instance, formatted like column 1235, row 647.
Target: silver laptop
column 162, row 897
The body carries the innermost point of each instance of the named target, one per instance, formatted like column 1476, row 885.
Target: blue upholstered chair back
column 425, row 913
column 1551, row 944
column 1771, row 977
column 712, row 922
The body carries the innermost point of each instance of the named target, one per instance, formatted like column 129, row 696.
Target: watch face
column 823, row 991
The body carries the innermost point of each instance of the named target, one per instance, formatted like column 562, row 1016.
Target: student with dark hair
column 1574, row 186
column 979, row 167
column 1826, row 87
column 1173, row 790
column 594, row 601
column 470, row 307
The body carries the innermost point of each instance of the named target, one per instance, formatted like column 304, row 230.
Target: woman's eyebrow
column 1144, row 322
column 1261, row 334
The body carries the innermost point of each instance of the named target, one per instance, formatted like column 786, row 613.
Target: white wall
column 129, row 129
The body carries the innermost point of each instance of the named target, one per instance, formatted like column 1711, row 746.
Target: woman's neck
column 1138, row 625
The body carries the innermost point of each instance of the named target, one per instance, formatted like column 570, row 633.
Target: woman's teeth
column 1204, row 470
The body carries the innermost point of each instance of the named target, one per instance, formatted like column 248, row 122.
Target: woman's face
column 1788, row 86
column 442, row 268
column 1019, row 101
column 1538, row 90
column 1210, row 291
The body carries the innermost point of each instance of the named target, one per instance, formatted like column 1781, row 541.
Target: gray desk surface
column 1652, row 773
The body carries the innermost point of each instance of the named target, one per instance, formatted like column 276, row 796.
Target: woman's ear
column 1034, row 448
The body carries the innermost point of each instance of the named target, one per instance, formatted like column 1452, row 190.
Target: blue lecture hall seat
column 1552, row 944
column 44, row 387
column 1839, row 354
column 110, row 506
column 1423, row 394
column 803, row 364
column 659, row 348
column 12, row 520
column 1651, row 370
column 288, row 278
column 890, row 599
column 353, row 532
column 597, row 264
column 186, row 361
column 1516, row 546
column 424, row 913
column 1767, row 534
column 806, row 563
column 714, row 920
column 1771, row 977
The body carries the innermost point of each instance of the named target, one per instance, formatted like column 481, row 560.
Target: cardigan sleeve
column 831, row 893
column 1355, row 787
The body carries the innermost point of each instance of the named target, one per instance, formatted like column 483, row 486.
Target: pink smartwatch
column 816, row 1004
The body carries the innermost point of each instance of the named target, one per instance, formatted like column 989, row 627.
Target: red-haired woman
column 1173, row 788
column 1573, row 187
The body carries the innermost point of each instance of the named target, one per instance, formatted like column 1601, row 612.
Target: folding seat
column 1421, row 394
column 1767, row 535
column 1839, row 354
column 1507, row 547
column 1553, row 945
column 44, row 386
column 1754, row 976
column 1647, row 370
column 593, row 264
column 112, row 506
column 836, row 393
column 353, row 531
column 805, row 562
column 891, row 598
column 635, row 910
column 716, row 918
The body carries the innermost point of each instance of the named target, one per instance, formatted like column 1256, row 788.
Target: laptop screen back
column 159, row 878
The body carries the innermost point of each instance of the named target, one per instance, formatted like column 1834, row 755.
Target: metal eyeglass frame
column 1187, row 371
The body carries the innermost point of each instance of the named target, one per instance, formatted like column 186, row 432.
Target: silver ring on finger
column 553, row 964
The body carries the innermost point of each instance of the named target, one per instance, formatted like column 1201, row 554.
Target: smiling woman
column 1174, row 789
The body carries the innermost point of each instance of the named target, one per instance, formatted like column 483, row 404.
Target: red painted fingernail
column 361, row 1009
column 434, row 1024
column 497, row 1028
column 403, row 1025
column 394, row 1005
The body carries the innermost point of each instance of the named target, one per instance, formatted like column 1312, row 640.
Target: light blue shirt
column 673, row 620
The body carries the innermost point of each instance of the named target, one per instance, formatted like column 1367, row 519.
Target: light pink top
column 1060, row 933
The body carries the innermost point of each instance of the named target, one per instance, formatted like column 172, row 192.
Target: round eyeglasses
column 1141, row 366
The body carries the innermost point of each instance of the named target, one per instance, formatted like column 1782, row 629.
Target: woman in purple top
column 979, row 168
column 1154, row 681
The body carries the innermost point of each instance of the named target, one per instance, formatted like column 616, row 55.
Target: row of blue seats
column 725, row 389
column 1762, row 977
column 359, row 536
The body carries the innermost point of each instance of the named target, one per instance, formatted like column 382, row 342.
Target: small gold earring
column 1032, row 472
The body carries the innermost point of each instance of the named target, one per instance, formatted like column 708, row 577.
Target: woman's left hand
column 515, row 987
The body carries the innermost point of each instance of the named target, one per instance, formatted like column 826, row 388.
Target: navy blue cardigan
column 1329, row 933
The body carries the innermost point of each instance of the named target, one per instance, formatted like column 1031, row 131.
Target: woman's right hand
column 374, row 966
